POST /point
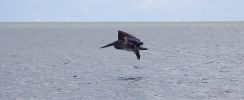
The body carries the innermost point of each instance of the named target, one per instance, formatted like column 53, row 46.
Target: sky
column 121, row 10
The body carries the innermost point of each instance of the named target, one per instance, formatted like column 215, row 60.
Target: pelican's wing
column 136, row 51
column 122, row 35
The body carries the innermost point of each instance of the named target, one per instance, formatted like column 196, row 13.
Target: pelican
column 127, row 42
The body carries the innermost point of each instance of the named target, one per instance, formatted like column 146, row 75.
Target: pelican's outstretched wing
column 122, row 35
column 136, row 51
column 131, row 38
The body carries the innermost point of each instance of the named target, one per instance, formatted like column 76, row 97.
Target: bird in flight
column 127, row 42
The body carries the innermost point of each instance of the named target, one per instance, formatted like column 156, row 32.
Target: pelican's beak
column 108, row 45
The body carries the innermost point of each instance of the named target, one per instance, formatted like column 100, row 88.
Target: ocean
column 63, row 60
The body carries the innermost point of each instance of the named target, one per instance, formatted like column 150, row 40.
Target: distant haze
column 121, row 10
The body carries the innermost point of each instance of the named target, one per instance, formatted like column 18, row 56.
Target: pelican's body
column 127, row 42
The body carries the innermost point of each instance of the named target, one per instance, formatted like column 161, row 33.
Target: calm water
column 63, row 61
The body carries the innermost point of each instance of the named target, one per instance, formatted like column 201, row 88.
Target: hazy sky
column 122, row 10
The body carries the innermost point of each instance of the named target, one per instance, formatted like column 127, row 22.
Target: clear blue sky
column 122, row 10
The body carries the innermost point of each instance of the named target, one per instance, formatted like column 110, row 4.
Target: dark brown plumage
column 127, row 42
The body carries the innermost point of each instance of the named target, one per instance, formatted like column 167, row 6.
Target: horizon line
column 111, row 21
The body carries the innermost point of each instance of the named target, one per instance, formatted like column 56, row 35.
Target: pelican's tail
column 142, row 48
